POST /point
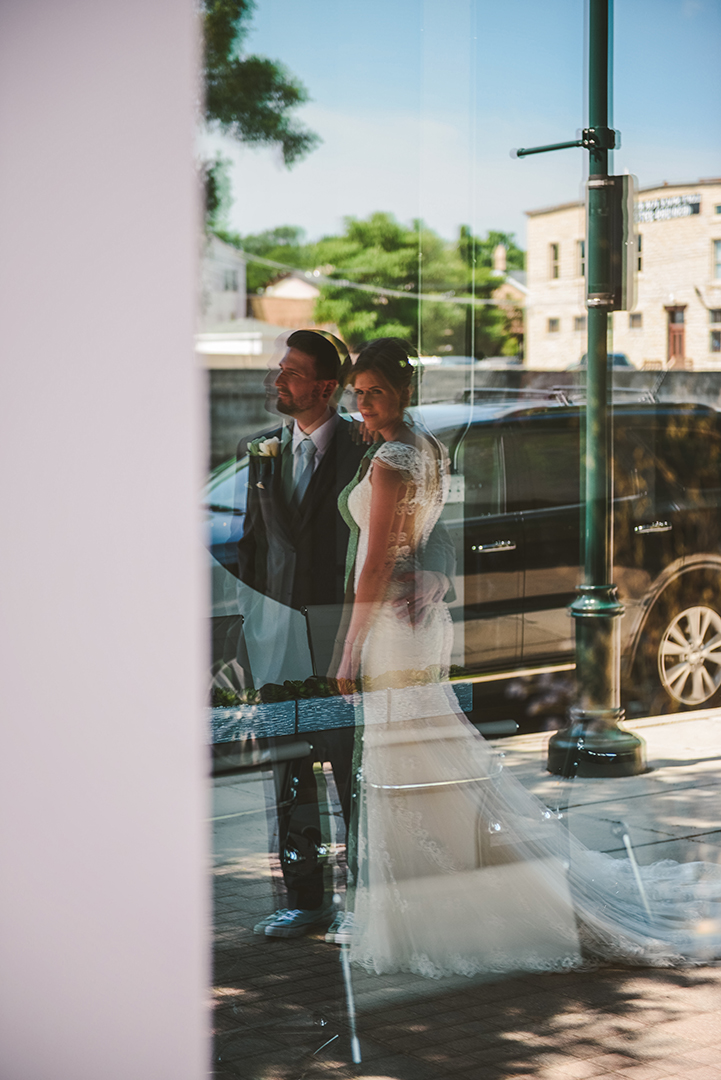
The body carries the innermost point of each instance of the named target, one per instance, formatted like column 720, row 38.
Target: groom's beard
column 286, row 403
column 289, row 405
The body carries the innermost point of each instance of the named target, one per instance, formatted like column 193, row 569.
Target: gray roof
column 243, row 326
column 519, row 276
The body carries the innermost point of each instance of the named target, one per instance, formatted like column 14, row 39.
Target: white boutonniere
column 265, row 447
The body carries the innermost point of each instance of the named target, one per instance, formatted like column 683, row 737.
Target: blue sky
column 419, row 102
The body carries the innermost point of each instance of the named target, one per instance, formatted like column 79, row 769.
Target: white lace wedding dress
column 460, row 870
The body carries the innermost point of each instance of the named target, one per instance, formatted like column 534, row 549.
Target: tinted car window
column 689, row 452
column 548, row 468
column 678, row 459
column 480, row 461
column 636, row 469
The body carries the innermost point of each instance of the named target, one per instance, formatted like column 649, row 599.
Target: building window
column 555, row 253
column 639, row 263
column 717, row 259
column 635, row 320
column 714, row 316
column 717, row 209
column 579, row 322
column 554, row 325
column 230, row 281
column 581, row 248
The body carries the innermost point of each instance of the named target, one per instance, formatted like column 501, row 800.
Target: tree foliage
column 215, row 178
column 249, row 97
column 379, row 251
column 478, row 251
column 483, row 247
column 284, row 244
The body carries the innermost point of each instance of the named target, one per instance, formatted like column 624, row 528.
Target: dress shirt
column 320, row 436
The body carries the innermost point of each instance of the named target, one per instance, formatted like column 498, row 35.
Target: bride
column 459, row 869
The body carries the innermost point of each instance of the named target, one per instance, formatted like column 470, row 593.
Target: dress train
column 460, row 869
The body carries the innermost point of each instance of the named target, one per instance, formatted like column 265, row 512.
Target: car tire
column 678, row 656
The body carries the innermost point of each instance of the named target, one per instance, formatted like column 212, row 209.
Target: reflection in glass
column 379, row 820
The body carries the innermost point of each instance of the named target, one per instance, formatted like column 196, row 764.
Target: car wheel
column 689, row 656
column 679, row 656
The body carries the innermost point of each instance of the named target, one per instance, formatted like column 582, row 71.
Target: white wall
column 219, row 304
column 102, row 893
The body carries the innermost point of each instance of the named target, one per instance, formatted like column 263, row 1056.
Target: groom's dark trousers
column 296, row 555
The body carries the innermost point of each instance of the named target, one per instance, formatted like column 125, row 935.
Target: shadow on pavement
column 279, row 1014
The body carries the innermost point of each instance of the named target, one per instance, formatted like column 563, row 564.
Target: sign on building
column 672, row 206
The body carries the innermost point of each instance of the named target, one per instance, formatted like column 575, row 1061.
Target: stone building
column 676, row 322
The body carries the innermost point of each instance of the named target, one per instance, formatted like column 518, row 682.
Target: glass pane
column 379, row 865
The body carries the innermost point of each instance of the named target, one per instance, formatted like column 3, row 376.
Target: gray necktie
column 302, row 468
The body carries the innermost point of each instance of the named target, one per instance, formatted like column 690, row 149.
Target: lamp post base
column 593, row 746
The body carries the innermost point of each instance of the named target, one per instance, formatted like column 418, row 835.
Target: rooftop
column 664, row 186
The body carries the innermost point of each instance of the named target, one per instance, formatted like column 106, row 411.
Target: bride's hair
column 389, row 357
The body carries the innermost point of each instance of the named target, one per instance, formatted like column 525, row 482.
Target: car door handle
column 654, row 527
column 496, row 545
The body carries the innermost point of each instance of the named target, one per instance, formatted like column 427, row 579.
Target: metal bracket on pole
column 601, row 138
column 598, row 138
column 525, row 151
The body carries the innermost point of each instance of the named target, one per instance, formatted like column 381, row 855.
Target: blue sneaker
column 295, row 922
column 340, row 931
column 259, row 928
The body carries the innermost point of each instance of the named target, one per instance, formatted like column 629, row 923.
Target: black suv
column 519, row 530
column 515, row 513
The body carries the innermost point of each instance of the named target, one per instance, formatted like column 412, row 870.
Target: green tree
column 492, row 327
column 380, row 252
column 284, row 244
column 483, row 248
column 249, row 98
column 215, row 177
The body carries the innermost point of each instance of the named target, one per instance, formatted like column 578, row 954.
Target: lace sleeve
column 425, row 491
column 407, row 460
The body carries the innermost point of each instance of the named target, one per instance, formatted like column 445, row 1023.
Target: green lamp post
column 593, row 744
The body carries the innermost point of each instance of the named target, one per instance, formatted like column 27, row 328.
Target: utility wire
column 314, row 276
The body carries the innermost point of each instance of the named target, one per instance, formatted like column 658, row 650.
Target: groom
column 293, row 550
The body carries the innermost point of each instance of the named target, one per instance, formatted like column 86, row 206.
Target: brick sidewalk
column 279, row 1006
column 280, row 1015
